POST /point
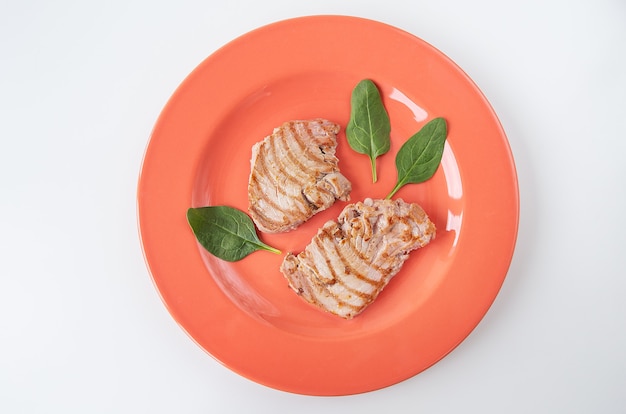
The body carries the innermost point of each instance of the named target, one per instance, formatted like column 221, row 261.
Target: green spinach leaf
column 225, row 232
column 369, row 126
column 420, row 156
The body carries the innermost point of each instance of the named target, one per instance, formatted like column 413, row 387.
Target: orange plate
column 243, row 313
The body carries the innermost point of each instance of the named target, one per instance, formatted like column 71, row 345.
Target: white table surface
column 82, row 328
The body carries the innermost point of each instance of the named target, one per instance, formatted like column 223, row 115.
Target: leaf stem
column 395, row 190
column 270, row 249
column 374, row 176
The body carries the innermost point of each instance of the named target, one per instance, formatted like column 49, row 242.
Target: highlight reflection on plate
column 243, row 313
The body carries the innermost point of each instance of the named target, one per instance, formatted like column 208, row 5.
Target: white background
column 82, row 328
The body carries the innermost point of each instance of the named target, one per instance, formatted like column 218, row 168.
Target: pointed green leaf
column 368, row 129
column 225, row 232
column 420, row 156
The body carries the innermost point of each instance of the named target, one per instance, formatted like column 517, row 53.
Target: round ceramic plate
column 243, row 313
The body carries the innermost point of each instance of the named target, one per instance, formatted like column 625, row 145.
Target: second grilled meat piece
column 294, row 175
column 351, row 260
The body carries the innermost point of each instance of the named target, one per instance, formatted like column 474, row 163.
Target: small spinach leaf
column 420, row 156
column 225, row 232
column 369, row 126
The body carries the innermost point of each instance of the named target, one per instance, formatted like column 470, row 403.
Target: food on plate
column 419, row 157
column 294, row 174
column 349, row 261
column 369, row 126
column 225, row 232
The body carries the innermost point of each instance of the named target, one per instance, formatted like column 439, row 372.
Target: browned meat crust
column 351, row 260
column 294, row 175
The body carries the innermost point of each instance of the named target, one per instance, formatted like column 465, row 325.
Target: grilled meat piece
column 294, row 175
column 351, row 260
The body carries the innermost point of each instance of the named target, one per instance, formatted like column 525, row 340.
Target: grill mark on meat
column 265, row 172
column 344, row 303
column 294, row 166
column 309, row 131
column 314, row 154
column 340, row 302
column 329, row 295
column 366, row 297
column 338, row 274
column 349, row 244
column 300, row 205
column 311, row 152
column 293, row 136
column 265, row 175
column 354, row 267
column 305, row 158
column 351, row 260
column 298, row 137
column 294, row 174
column 294, row 154
column 283, row 161
column 290, row 164
column 333, row 275
column 290, row 168
column 339, row 278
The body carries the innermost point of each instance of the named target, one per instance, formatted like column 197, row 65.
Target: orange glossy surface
column 243, row 313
